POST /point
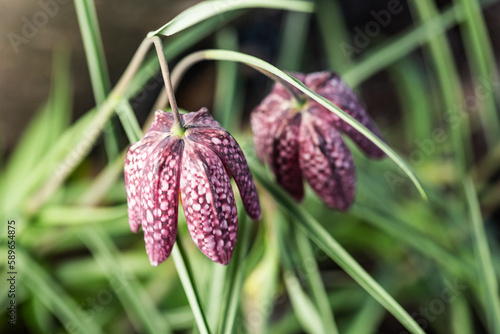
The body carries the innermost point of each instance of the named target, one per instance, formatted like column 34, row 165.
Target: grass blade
column 484, row 70
column 228, row 89
column 272, row 71
column 302, row 305
column 131, row 294
column 486, row 273
column 293, row 41
column 53, row 296
column 235, row 279
column 208, row 9
column 335, row 251
column 449, row 81
column 315, row 281
column 96, row 60
column 333, row 31
column 188, row 282
column 404, row 43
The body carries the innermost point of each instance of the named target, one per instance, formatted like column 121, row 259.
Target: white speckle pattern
column 209, row 227
column 285, row 157
column 332, row 87
column 159, row 204
column 228, row 150
column 154, row 175
column 134, row 162
column 281, row 140
column 330, row 168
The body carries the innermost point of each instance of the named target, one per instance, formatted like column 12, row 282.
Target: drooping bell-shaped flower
column 302, row 140
column 197, row 162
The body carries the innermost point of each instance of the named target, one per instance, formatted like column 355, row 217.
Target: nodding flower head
column 302, row 140
column 198, row 162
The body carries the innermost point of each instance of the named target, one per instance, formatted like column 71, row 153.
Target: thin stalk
column 187, row 279
column 441, row 57
column 485, row 267
column 484, row 70
column 162, row 58
column 314, row 279
column 96, row 60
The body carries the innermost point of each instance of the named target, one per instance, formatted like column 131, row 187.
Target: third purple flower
column 303, row 140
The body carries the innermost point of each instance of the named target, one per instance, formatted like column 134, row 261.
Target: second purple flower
column 303, row 140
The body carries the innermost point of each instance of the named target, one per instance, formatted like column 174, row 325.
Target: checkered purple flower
column 198, row 164
column 304, row 141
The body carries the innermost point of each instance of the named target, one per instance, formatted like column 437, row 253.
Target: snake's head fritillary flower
column 303, row 140
column 197, row 163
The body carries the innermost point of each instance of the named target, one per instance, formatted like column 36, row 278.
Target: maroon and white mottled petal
column 231, row 155
column 332, row 87
column 160, row 198
column 265, row 120
column 200, row 118
column 285, row 162
column 326, row 163
column 208, row 201
column 134, row 164
column 162, row 123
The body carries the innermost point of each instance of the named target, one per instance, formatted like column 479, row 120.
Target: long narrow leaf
column 132, row 296
column 335, row 251
column 53, row 296
column 486, row 273
column 271, row 70
column 187, row 279
column 207, row 9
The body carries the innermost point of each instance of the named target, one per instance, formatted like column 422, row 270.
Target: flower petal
column 200, row 118
column 285, row 162
column 160, row 198
column 228, row 150
column 265, row 120
column 332, row 87
column 208, row 201
column 162, row 123
column 135, row 160
column 326, row 163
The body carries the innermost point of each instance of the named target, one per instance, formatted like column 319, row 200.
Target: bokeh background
column 423, row 88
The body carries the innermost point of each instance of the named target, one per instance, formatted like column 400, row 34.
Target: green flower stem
column 178, row 123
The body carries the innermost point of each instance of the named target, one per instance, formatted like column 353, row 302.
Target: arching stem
column 178, row 123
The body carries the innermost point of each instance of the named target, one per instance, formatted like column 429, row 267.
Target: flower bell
column 197, row 161
column 302, row 140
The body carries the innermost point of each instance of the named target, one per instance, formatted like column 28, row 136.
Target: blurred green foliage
column 302, row 268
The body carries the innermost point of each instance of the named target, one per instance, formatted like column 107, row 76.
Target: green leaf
column 187, row 279
column 235, row 277
column 53, row 296
column 74, row 215
column 132, row 295
column 276, row 73
column 334, row 250
column 302, row 305
column 208, row 9
column 487, row 278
